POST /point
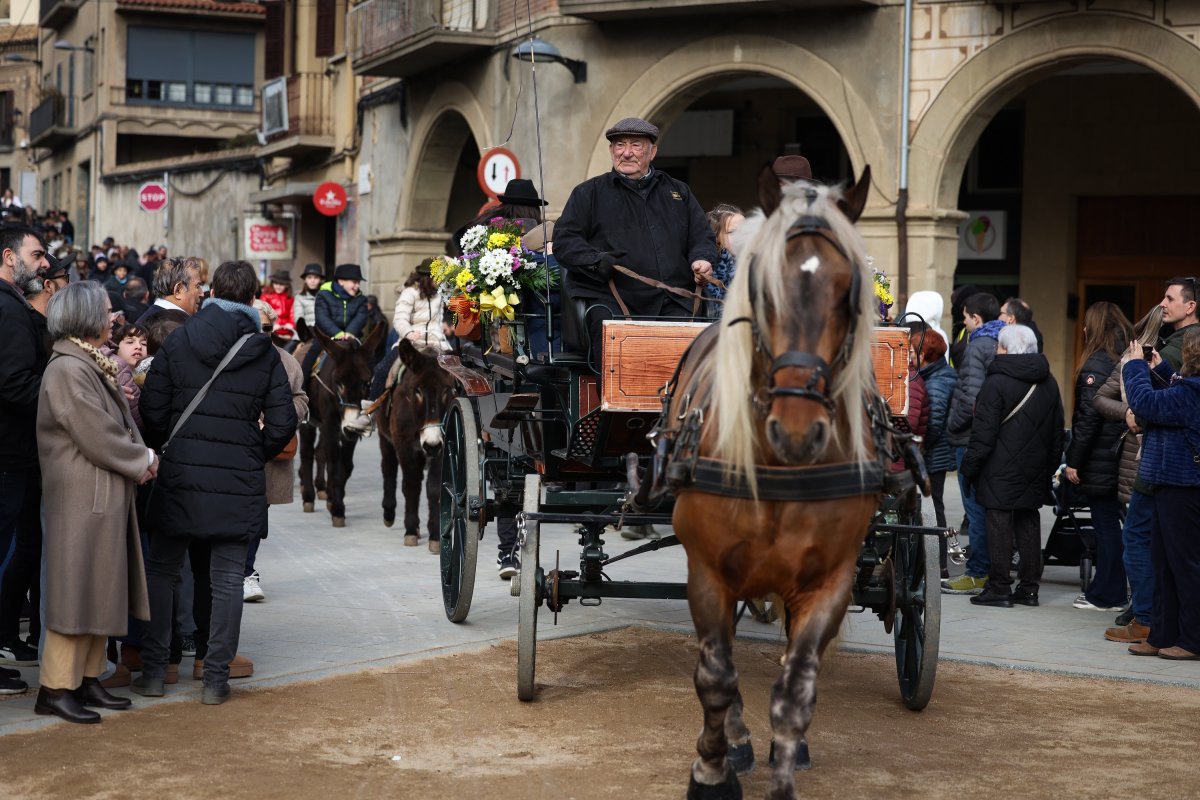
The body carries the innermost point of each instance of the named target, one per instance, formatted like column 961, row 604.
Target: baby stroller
column 1072, row 540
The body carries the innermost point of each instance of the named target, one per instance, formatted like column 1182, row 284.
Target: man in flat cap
column 637, row 217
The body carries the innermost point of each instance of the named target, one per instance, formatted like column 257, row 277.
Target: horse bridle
column 819, row 369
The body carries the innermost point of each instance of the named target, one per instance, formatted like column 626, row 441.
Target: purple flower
column 497, row 221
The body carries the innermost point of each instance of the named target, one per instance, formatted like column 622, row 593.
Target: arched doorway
column 719, row 132
column 444, row 190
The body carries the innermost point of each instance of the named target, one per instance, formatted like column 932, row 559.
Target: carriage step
column 515, row 411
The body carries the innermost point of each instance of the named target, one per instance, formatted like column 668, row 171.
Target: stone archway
column 947, row 131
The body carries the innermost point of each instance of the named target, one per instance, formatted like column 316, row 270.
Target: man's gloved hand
column 603, row 269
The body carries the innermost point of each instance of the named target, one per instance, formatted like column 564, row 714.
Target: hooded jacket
column 929, row 306
column 337, row 311
column 940, row 380
column 1011, row 462
column 1095, row 441
column 981, row 349
column 211, row 482
column 1171, row 443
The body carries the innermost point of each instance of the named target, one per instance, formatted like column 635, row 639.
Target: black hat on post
column 348, row 272
column 521, row 192
column 313, row 269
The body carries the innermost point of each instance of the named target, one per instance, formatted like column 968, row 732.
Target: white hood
column 930, row 306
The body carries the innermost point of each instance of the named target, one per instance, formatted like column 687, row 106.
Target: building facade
column 18, row 92
column 1049, row 144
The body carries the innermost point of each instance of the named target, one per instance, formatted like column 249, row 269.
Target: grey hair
column 170, row 273
column 77, row 310
column 1017, row 340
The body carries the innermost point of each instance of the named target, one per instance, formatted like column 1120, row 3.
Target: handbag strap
column 1020, row 405
column 187, row 412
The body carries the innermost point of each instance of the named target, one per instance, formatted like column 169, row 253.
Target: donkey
column 410, row 437
column 335, row 396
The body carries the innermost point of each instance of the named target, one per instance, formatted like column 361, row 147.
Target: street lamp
column 538, row 49
column 62, row 44
column 21, row 59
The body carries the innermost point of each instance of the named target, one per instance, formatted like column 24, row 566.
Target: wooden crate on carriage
column 639, row 358
column 889, row 356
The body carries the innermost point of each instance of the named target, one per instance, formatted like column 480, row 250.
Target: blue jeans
column 1107, row 588
column 980, row 563
column 1139, row 566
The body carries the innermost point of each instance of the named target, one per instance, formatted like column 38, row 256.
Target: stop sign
column 152, row 196
column 330, row 199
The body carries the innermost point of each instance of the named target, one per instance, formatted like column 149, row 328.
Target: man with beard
column 22, row 254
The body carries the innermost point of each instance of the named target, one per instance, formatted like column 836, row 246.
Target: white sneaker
column 1082, row 602
column 360, row 424
column 252, row 589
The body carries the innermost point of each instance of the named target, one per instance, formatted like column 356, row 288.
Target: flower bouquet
column 483, row 285
column 883, row 290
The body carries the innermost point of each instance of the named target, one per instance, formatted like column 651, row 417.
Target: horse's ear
column 854, row 199
column 303, row 332
column 769, row 192
column 375, row 337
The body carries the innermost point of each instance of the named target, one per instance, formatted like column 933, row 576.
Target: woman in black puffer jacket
column 1094, row 453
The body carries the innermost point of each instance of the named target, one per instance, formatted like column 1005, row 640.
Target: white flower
column 495, row 266
column 472, row 239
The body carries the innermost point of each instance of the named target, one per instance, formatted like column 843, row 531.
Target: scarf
column 989, row 329
column 107, row 365
column 235, row 308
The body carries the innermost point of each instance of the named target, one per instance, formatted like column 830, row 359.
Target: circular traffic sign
column 330, row 199
column 497, row 167
column 152, row 196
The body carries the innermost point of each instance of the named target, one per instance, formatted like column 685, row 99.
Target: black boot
column 92, row 693
column 63, row 703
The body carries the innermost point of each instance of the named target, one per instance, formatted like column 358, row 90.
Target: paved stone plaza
column 349, row 599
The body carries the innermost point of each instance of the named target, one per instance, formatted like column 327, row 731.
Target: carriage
column 542, row 439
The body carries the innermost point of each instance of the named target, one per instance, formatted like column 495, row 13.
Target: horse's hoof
column 339, row 522
column 389, row 522
column 309, row 508
column 322, row 495
column 410, row 540
column 741, row 757
column 728, row 789
column 435, row 546
column 803, row 760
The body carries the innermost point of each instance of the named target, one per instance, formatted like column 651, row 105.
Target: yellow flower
column 497, row 302
column 437, row 270
column 463, row 278
column 499, row 240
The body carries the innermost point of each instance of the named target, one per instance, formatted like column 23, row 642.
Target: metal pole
column 902, row 195
column 167, row 207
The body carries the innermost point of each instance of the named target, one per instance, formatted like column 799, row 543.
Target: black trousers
column 1175, row 552
column 23, row 574
column 1003, row 526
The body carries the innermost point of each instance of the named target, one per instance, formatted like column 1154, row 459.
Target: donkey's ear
column 769, row 193
column 303, row 332
column 324, row 339
column 408, row 353
column 854, row 199
column 375, row 336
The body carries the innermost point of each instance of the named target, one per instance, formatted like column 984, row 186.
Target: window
column 7, row 119
column 274, row 28
column 326, row 27
column 89, row 67
column 182, row 67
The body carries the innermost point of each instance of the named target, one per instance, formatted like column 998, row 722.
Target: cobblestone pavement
column 341, row 600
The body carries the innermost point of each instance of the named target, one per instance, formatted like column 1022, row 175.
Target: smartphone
column 1147, row 351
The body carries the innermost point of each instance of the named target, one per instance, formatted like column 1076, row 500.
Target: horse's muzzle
column 803, row 449
column 431, row 438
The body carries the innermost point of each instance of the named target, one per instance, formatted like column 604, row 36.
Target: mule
column 410, row 438
column 780, row 458
column 335, row 395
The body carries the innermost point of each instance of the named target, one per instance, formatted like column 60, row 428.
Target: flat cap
column 632, row 126
column 537, row 237
column 792, row 168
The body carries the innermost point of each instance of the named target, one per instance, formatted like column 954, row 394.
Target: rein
column 696, row 297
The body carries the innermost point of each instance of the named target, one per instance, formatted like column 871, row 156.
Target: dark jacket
column 337, row 311
column 1011, row 463
column 21, row 367
column 940, row 379
column 655, row 227
column 1110, row 404
column 981, row 349
column 159, row 322
column 1171, row 347
column 1171, row 443
column 211, row 482
column 1095, row 441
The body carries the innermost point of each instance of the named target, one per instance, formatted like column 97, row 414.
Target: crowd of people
column 156, row 404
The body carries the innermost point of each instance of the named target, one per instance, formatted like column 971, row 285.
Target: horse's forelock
column 761, row 245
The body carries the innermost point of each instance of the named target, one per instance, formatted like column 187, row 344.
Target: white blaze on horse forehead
column 811, row 265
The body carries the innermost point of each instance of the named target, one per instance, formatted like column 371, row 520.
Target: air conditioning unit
column 274, row 107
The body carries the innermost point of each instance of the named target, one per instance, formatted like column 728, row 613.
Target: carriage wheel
column 461, row 508
column 919, row 617
column 531, row 579
column 1085, row 573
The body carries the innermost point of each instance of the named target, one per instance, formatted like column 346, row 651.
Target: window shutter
column 326, row 27
column 274, row 40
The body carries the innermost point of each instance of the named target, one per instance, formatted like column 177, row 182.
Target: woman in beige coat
column 92, row 456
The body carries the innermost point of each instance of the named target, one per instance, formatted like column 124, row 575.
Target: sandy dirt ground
column 616, row 717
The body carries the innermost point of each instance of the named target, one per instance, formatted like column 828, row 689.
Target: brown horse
column 335, row 396
column 410, row 437
column 793, row 478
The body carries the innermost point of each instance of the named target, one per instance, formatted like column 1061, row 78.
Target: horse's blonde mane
column 761, row 244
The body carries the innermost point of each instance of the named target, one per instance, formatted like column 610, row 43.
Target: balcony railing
column 403, row 37
column 53, row 121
